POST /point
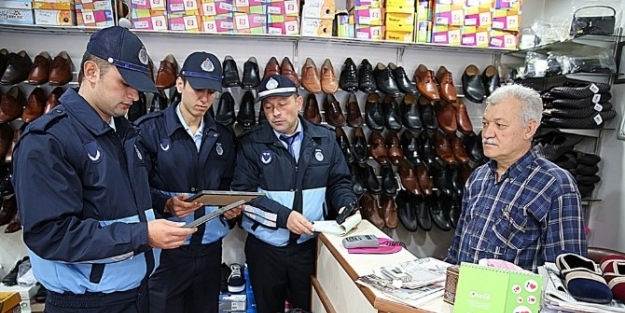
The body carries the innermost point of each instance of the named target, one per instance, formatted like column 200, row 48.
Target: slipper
column 582, row 279
column 607, row 261
column 387, row 246
column 613, row 267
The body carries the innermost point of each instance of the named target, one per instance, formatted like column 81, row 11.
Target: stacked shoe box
column 423, row 21
column 149, row 14
column 54, row 12
column 250, row 17
column 317, row 18
column 505, row 27
column 368, row 18
column 16, row 12
column 184, row 15
column 234, row 298
column 448, row 20
column 478, row 19
column 282, row 17
column 94, row 14
column 217, row 16
column 400, row 20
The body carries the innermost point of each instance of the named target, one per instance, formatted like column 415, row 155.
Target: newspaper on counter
column 412, row 297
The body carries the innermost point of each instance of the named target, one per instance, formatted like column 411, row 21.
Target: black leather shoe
column 410, row 145
column 366, row 82
column 490, row 78
column 586, row 91
column 437, row 211
column 442, row 178
column 472, row 84
column 385, row 81
column 231, row 73
column 370, row 180
column 428, row 114
column 424, row 219
column 4, row 59
column 341, row 139
column 410, row 113
column 389, row 180
column 402, row 80
column 596, row 121
column 159, row 103
column 581, row 103
column 392, row 119
column 452, row 209
column 246, row 117
column 348, row 79
column 11, row 278
column 406, row 212
column 457, row 187
column 359, row 146
column 357, row 185
column 17, row 68
column 427, row 149
column 473, row 145
column 225, row 110
column 138, row 108
column 373, row 114
column 251, row 75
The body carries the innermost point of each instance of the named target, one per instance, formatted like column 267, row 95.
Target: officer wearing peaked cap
column 298, row 165
column 186, row 151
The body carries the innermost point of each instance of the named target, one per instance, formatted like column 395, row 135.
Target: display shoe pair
column 273, row 67
column 44, row 69
column 582, row 278
column 476, row 87
column 613, row 268
column 313, row 82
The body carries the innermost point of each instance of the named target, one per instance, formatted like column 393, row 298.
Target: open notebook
column 332, row 227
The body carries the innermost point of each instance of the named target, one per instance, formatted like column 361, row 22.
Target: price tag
column 485, row 19
column 498, row 24
column 274, row 10
column 440, row 39
column 141, row 24
column 442, row 20
column 468, row 40
column 596, row 97
column 364, row 20
column 176, row 7
column 598, row 119
column 598, row 107
column 496, row 42
column 594, row 88
column 470, row 21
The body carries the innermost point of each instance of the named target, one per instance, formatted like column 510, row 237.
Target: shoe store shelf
column 259, row 37
column 582, row 45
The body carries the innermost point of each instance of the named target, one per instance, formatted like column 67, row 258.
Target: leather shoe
column 410, row 114
column 9, row 155
column 354, row 116
column 490, row 78
column 474, row 147
column 348, row 79
column 437, row 212
column 385, row 81
column 371, row 209
column 582, row 92
column 231, row 73
column 402, row 80
column 462, row 118
column 167, row 72
column 53, row 99
column 446, row 116
column 458, row 149
column 441, row 178
column 424, row 220
column 329, row 81
column 272, row 67
column 427, row 149
column 357, row 184
column 61, row 69
column 138, row 108
column 373, row 114
column 311, row 109
column 370, row 180
column 14, row 225
column 408, row 178
column 377, row 148
column 446, row 86
column 410, row 145
column 406, row 212
column 366, row 82
column 472, row 84
column 310, row 77
column 18, row 66
column 389, row 180
column 11, row 105
column 392, row 119
column 428, row 114
column 343, row 141
column 452, row 209
column 426, row 85
column 393, row 148
column 286, row 69
column 41, row 294
column 443, row 148
column 246, row 117
column 359, row 145
column 389, row 210
column 225, row 110
column 423, row 177
column 332, row 109
column 40, row 70
column 251, row 74
column 34, row 105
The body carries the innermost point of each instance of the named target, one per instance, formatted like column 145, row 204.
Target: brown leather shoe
column 446, row 116
column 329, row 81
column 311, row 109
column 426, row 83
column 423, row 177
column 7, row 211
column 377, row 149
column 460, row 153
column 53, row 99
column 408, row 178
column 11, row 105
column 61, row 70
column 354, row 116
column 272, row 67
column 371, row 209
column 443, row 148
column 446, row 87
column 310, row 77
column 16, row 136
column 462, row 116
column 40, row 70
column 332, row 109
column 389, row 209
column 465, row 171
column 18, row 66
column 286, row 69
column 34, row 105
column 167, row 72
column 15, row 224
column 393, row 146
column 6, row 134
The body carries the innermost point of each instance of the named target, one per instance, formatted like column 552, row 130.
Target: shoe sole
column 236, row 288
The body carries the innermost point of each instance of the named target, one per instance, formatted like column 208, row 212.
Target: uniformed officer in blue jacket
column 187, row 151
column 82, row 187
column 298, row 165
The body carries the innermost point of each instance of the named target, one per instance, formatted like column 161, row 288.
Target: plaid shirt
column 528, row 217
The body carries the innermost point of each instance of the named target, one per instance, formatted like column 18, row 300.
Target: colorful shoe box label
column 508, row 4
column 344, row 25
column 223, row 23
column 400, row 22
column 257, row 23
column 364, row 4
column 400, row 6
column 399, row 36
column 369, row 32
column 423, row 31
column 59, row 13
column 424, row 11
column 212, row 8
column 157, row 23
column 506, row 20
column 250, row 6
column 185, row 23
column 288, row 8
column 474, row 36
column 282, row 25
column 186, row 7
column 158, row 5
column 445, row 14
column 94, row 18
column 503, row 39
column 319, row 9
column 316, row 27
column 16, row 12
column 447, row 35
column 371, row 16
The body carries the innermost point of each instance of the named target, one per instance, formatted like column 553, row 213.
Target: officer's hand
column 234, row 212
column 179, row 207
column 298, row 224
column 166, row 234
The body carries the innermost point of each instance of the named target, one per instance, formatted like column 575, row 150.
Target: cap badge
column 207, row 65
column 219, row 149
column 272, row 84
column 143, row 56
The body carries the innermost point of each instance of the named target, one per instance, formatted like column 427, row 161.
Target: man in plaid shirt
column 519, row 206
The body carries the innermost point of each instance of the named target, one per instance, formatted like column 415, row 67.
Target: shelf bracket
column 295, row 57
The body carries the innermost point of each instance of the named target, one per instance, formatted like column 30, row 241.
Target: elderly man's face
column 503, row 136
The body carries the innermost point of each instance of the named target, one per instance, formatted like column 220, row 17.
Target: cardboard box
column 157, row 23
column 508, row 4
column 447, row 35
column 363, row 4
column 10, row 302
column 158, row 5
column 16, row 12
column 184, row 23
column 250, row 6
column 474, row 36
column 223, row 23
column 344, row 28
column 319, row 9
column 26, row 294
column 94, row 18
column 506, row 20
column 503, row 39
column 232, row 302
column 401, row 22
column 400, row 6
column 59, row 14
column 214, row 8
column 399, row 36
column 369, row 32
column 316, row 27
column 451, row 282
column 186, row 7
column 452, row 15
column 370, row 16
column 282, row 25
column 287, row 7
column 423, row 31
column 255, row 23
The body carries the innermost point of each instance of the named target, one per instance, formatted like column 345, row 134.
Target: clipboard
column 223, row 198
column 201, row 220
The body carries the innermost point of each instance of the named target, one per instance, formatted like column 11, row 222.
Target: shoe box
column 9, row 302
column 16, row 12
column 232, row 302
column 27, row 295
column 251, row 302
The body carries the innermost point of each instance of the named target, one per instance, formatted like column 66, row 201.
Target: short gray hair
column 531, row 103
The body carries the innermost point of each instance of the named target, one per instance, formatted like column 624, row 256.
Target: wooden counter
column 334, row 288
